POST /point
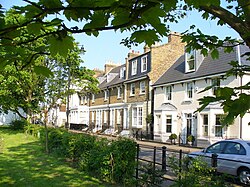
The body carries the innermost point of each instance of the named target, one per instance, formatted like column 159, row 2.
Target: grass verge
column 24, row 163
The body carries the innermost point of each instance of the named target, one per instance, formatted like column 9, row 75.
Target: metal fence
column 157, row 157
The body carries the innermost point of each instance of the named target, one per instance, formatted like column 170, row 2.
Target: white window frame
column 218, row 125
column 93, row 116
column 158, row 119
column 118, row 118
column 106, row 95
column 189, row 90
column 112, row 118
column 205, row 127
column 144, row 65
column 132, row 87
column 137, row 116
column 188, row 59
column 118, row 92
column 168, row 93
column 169, row 117
column 98, row 119
column 215, row 82
column 122, row 72
column 134, row 67
column 142, row 87
column 85, row 99
column 93, row 98
column 105, row 116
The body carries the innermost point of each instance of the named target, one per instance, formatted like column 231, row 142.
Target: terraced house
column 177, row 92
column 108, row 111
column 125, row 97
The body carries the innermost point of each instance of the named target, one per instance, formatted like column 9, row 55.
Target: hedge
column 110, row 160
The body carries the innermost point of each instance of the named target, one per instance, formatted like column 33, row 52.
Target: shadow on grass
column 6, row 129
column 27, row 165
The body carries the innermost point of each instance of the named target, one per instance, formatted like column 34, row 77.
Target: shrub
column 195, row 173
column 173, row 137
column 150, row 176
column 18, row 124
column 190, row 138
column 33, row 129
column 112, row 161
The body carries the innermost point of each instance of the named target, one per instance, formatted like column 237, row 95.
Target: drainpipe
column 108, row 124
column 147, row 100
column 239, row 61
column 152, row 112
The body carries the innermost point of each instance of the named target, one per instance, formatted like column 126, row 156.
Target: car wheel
column 244, row 176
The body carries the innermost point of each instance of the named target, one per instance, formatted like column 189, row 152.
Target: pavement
column 151, row 143
column 177, row 147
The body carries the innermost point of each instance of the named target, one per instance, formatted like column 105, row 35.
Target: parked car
column 233, row 157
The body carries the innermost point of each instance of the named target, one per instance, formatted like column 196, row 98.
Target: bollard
column 214, row 160
column 137, row 163
column 180, row 164
column 164, row 158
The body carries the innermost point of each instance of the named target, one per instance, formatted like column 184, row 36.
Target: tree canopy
column 31, row 75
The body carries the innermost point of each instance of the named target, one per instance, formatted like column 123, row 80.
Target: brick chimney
column 133, row 54
column 98, row 72
column 109, row 66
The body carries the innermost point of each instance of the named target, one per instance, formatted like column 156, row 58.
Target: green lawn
column 24, row 163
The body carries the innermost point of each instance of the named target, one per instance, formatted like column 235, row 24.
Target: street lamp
column 82, row 51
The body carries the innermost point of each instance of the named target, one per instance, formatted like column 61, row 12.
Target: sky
column 107, row 48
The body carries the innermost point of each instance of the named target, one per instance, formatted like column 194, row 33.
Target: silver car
column 233, row 157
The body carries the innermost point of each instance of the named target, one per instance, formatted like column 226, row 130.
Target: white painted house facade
column 176, row 99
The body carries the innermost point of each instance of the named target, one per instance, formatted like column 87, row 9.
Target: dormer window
column 190, row 60
column 134, row 67
column 144, row 64
column 122, row 72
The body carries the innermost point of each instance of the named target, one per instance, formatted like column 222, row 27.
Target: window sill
column 142, row 94
column 187, row 101
column 190, row 71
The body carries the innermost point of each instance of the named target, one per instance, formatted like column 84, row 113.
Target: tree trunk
column 46, row 131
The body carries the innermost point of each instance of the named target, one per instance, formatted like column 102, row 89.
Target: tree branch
column 235, row 22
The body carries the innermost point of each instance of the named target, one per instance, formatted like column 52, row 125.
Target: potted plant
column 191, row 139
column 173, row 137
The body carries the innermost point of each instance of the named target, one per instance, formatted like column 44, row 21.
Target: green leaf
column 147, row 36
column 52, row 3
column 215, row 54
column 60, row 46
column 98, row 19
column 34, row 28
column 121, row 17
column 41, row 70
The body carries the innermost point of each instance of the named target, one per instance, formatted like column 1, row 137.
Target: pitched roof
column 208, row 67
column 116, row 80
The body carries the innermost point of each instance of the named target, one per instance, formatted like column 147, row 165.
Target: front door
column 189, row 124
